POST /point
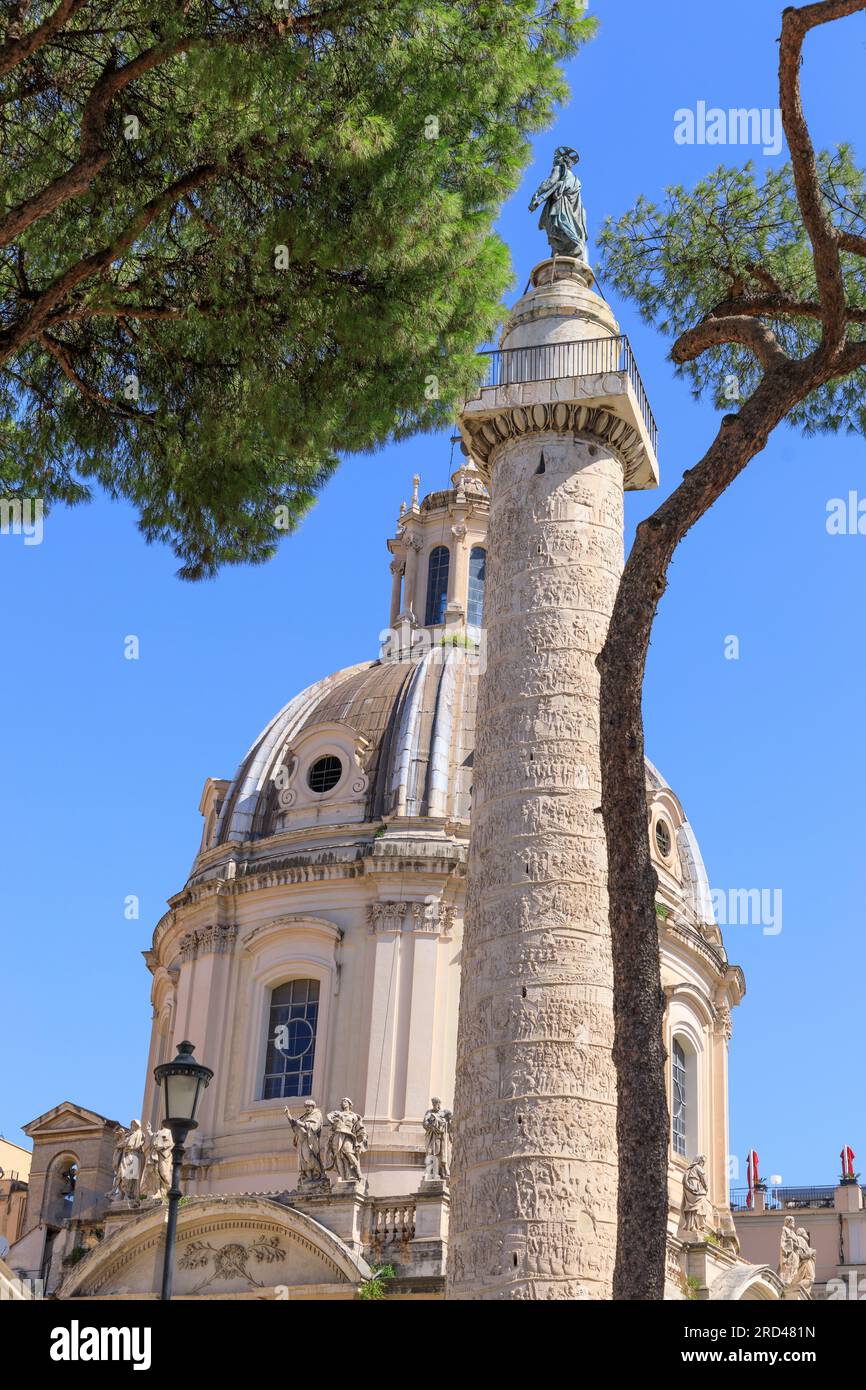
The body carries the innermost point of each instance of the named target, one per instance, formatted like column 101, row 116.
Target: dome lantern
column 439, row 555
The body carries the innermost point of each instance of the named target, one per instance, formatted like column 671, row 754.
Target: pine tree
column 763, row 286
column 241, row 240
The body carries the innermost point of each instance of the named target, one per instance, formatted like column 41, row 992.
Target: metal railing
column 14, row 1178
column 785, row 1198
column 578, row 357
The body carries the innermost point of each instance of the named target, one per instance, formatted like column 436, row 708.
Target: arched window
column 59, row 1200
column 291, row 1040
column 477, row 575
column 679, row 1098
column 437, row 585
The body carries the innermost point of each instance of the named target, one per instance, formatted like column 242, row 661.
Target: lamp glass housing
column 183, row 1083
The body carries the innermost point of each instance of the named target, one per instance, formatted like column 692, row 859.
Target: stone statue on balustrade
column 307, row 1138
column 695, row 1195
column 128, row 1162
column 796, row 1258
column 563, row 217
column 347, row 1141
column 156, row 1171
column 808, row 1255
column 437, row 1127
column 789, row 1254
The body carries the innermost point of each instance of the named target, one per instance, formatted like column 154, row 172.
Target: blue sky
column 105, row 758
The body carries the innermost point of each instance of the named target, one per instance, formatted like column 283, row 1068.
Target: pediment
column 226, row 1247
column 67, row 1118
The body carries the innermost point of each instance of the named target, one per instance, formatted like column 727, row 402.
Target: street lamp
column 184, row 1082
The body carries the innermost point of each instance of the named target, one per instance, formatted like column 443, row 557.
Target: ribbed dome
column 414, row 726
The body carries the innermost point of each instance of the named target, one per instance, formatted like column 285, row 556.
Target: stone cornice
column 402, row 854
column 583, row 421
column 691, row 938
column 456, row 502
column 418, row 854
column 165, row 922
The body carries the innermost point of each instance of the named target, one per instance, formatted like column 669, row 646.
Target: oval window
column 663, row 839
column 324, row 774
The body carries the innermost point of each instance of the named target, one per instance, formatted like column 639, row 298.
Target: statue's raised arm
column 563, row 218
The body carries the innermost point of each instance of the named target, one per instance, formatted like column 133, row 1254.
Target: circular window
column 295, row 1038
column 325, row 773
column 663, row 839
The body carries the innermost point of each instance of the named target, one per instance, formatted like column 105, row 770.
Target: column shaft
column 534, row 1196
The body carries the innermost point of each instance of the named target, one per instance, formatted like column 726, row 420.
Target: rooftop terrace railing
column 577, row 357
column 785, row 1198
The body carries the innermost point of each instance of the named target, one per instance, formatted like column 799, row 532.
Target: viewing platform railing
column 579, row 357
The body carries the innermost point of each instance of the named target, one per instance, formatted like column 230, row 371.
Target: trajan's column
column 563, row 427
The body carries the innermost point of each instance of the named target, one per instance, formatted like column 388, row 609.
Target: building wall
column 837, row 1234
column 387, row 1016
column 15, row 1165
column 14, row 1160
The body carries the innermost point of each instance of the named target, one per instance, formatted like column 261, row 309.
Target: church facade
column 361, row 858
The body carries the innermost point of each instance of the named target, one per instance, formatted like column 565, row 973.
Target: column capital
column 583, row 421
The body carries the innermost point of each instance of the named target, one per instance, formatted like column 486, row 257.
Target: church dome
column 379, row 740
column 390, row 742
column 395, row 738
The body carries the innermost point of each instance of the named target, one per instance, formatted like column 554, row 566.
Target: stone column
column 534, row 1213
column 458, row 576
column 398, row 564
column 534, row 1190
column 410, row 579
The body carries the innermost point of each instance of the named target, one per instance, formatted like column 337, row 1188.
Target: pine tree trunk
column 639, row 1052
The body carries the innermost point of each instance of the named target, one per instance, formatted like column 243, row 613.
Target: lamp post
column 184, row 1081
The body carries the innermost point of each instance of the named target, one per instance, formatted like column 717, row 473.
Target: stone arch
column 748, row 1284
column 58, row 1200
column 234, row 1246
